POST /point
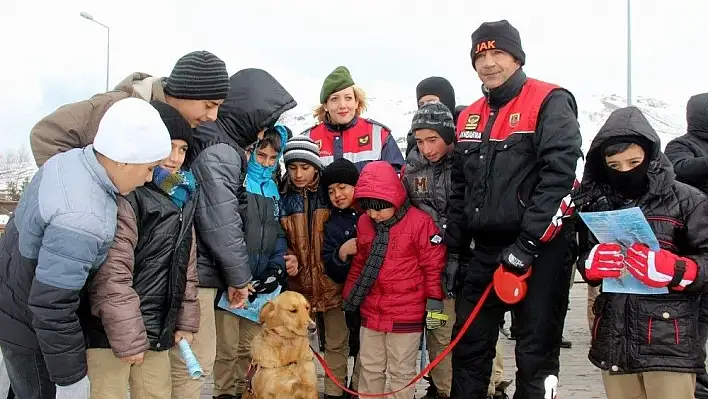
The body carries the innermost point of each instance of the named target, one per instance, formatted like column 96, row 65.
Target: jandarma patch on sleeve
column 435, row 239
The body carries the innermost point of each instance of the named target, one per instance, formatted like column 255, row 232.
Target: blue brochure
column 624, row 227
column 253, row 309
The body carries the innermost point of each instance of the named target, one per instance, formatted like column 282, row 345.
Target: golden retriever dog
column 281, row 351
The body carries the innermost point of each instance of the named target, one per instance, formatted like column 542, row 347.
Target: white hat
column 132, row 131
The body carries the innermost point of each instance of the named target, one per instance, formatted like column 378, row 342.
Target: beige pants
column 395, row 353
column 233, row 352
column 204, row 348
column 110, row 377
column 497, row 369
column 593, row 293
column 437, row 341
column 336, row 348
column 356, row 373
column 650, row 385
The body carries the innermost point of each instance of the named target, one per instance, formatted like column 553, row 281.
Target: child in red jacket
column 394, row 280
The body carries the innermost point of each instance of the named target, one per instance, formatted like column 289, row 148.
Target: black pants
column 539, row 322
column 29, row 377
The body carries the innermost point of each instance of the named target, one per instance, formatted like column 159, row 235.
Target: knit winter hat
column 436, row 86
column 435, row 116
column 500, row 35
column 374, row 204
column 302, row 149
column 132, row 131
column 199, row 75
column 338, row 80
column 340, row 171
column 177, row 126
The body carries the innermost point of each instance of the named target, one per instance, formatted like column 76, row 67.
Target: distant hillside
column 667, row 119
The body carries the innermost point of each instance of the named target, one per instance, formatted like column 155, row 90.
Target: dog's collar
column 272, row 331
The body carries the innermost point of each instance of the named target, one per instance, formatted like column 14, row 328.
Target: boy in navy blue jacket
column 339, row 247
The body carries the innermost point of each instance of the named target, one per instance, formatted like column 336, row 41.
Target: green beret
column 338, row 80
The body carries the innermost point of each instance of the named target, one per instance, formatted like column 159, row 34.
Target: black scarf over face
column 630, row 184
column 373, row 264
column 633, row 183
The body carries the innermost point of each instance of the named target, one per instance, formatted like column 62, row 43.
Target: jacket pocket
column 402, row 246
column 468, row 153
column 601, row 323
column 509, row 182
column 602, row 350
column 664, row 327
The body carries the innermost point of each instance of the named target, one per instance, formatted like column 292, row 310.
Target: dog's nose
column 312, row 327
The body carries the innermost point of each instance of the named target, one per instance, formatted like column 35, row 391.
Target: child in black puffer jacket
column 339, row 248
column 645, row 345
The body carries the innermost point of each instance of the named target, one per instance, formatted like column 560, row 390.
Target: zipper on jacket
column 484, row 157
column 173, row 265
column 310, row 229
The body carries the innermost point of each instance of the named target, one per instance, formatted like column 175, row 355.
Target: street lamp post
column 629, row 55
column 108, row 43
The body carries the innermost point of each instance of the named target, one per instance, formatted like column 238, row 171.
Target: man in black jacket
column 217, row 159
column 513, row 170
column 689, row 155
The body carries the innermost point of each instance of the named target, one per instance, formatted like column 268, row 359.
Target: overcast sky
column 52, row 56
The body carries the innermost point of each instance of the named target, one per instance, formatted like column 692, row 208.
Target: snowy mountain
column 667, row 119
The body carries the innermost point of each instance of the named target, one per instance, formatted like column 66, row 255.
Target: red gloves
column 604, row 261
column 660, row 268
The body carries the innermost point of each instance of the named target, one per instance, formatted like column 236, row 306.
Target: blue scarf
column 259, row 179
column 178, row 186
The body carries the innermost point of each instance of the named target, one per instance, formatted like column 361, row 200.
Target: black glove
column 449, row 277
column 455, row 238
column 517, row 257
column 266, row 286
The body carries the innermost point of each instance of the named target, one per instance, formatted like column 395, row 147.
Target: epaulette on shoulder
column 306, row 132
column 375, row 122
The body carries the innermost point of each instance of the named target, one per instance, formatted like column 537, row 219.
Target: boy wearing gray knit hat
column 304, row 210
column 434, row 130
column 197, row 86
column 426, row 178
column 302, row 149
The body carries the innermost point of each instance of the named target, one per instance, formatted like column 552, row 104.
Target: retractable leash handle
column 510, row 288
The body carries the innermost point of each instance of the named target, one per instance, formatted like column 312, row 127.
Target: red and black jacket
column 514, row 165
column 360, row 141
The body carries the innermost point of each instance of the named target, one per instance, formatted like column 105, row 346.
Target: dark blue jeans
column 28, row 374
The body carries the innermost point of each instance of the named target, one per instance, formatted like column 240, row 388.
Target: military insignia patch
column 472, row 122
column 514, row 119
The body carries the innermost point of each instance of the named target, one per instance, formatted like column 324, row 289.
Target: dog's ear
column 267, row 313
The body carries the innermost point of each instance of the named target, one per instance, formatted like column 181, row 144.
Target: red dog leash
column 423, row 372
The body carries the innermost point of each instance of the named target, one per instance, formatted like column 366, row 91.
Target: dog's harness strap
column 249, row 377
column 253, row 368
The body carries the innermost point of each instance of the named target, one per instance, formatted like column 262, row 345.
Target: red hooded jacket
column 415, row 258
